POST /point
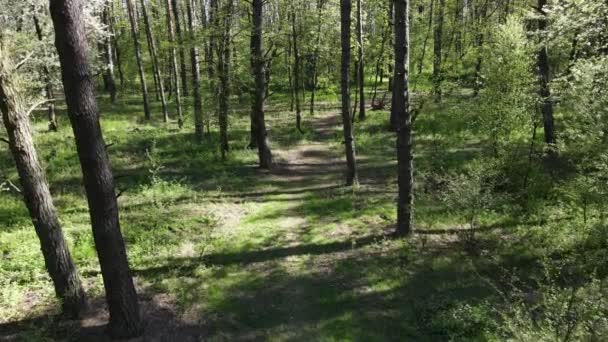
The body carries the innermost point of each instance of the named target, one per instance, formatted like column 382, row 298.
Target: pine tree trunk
column 180, row 42
column 48, row 84
column 173, row 58
column 155, row 63
column 296, row 70
column 140, row 66
column 196, row 75
column 437, row 51
column 401, row 111
column 38, row 198
column 349, row 140
column 72, row 47
column 108, row 75
column 360, row 63
column 315, row 57
column 224, row 78
column 259, row 75
column 544, row 79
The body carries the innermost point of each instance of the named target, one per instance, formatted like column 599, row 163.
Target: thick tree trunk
column 196, row 75
column 38, row 198
column 176, row 75
column 155, row 63
column 349, row 140
column 360, row 63
column 140, row 66
column 180, row 41
column 401, row 111
column 48, row 84
column 544, row 78
column 108, row 75
column 257, row 67
column 296, row 70
column 437, row 48
column 71, row 43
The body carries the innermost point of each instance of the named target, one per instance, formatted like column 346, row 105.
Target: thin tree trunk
column 140, row 67
column 315, row 57
column 106, row 49
column 259, row 75
column 171, row 32
column 479, row 40
column 224, row 78
column 71, row 43
column 180, row 41
column 404, row 120
column 37, row 196
column 296, row 70
column 349, row 140
column 543, row 76
column 48, row 84
column 361, row 65
column 155, row 63
column 437, row 47
column 196, row 75
column 115, row 49
column 385, row 34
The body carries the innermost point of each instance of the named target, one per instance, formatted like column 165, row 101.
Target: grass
column 243, row 254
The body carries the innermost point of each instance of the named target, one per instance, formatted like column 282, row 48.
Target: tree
column 48, row 83
column 196, row 75
column 106, row 48
column 140, row 67
column 360, row 63
column 155, row 64
column 259, row 93
column 543, row 77
column 72, row 48
column 401, row 111
column 36, row 193
column 173, row 58
column 349, row 140
column 296, row 68
column 437, row 51
column 223, row 71
column 180, row 40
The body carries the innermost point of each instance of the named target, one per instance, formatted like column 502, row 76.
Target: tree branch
column 23, row 61
column 36, row 105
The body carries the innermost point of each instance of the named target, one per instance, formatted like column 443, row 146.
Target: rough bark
column 72, row 47
column 196, row 75
column 140, row 66
column 155, row 63
column 173, row 58
column 401, row 111
column 38, row 198
column 48, row 84
column 259, row 74
column 349, row 140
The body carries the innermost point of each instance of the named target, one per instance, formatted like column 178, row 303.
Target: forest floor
column 226, row 251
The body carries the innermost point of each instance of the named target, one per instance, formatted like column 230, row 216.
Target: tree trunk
column 543, row 76
column 140, row 67
column 180, row 41
column 296, row 70
column 349, row 140
column 401, row 111
column 224, row 78
column 155, row 63
column 257, row 66
column 108, row 75
column 48, row 84
column 71, row 43
column 115, row 49
column 38, row 198
column 437, row 47
column 479, row 39
column 171, row 32
column 315, row 57
column 196, row 75
column 360, row 62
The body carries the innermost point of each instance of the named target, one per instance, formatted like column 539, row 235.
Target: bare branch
column 36, row 105
column 4, row 140
column 23, row 61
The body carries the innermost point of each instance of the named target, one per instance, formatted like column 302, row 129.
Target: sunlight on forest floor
column 226, row 251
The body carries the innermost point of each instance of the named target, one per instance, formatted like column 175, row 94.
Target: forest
column 293, row 170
